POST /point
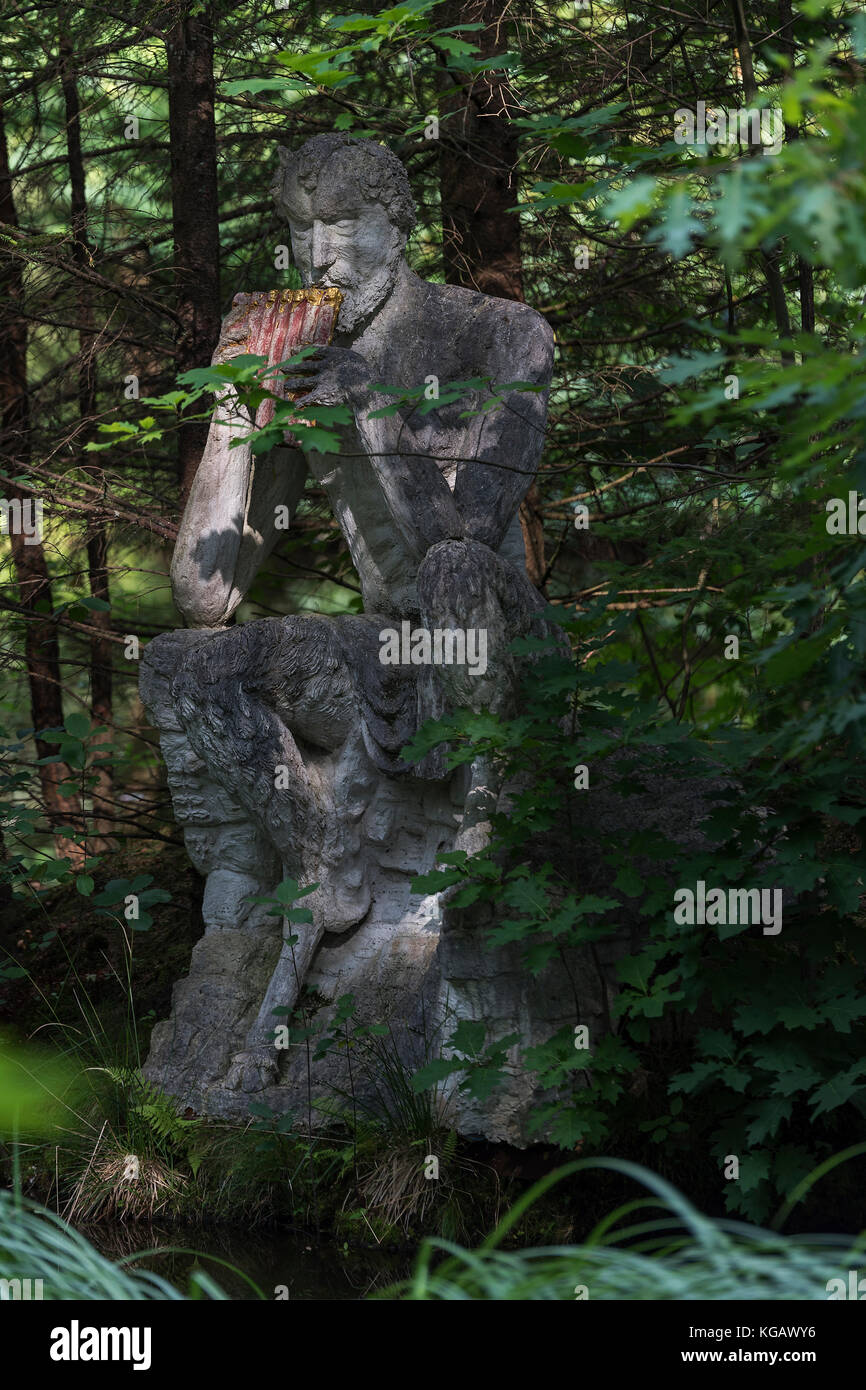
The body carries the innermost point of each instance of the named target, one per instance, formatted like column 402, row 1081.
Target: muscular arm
column 413, row 486
column 496, row 452
column 488, row 496
column 228, row 526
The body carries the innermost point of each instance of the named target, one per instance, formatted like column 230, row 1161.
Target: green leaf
column 732, row 210
column 770, row 1116
column 433, row 1072
column 795, row 659
column 678, row 228
column 482, row 1082
column 468, row 1037
column 629, row 881
column 839, row 1089
column 754, row 1169
column 260, row 84
column 632, row 202
column 96, row 605
column 449, row 44
column 636, row 971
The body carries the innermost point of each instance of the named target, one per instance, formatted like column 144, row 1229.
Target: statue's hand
column 334, row 376
column 253, row 1071
column 235, row 329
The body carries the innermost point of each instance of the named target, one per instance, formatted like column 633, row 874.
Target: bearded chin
column 360, row 302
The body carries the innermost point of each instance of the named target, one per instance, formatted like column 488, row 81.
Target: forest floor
column 86, row 955
column 84, row 995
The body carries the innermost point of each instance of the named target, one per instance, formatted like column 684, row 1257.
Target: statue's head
column 350, row 210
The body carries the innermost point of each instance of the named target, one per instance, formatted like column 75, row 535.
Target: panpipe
column 280, row 322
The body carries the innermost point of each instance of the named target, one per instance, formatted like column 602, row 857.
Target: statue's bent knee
column 464, row 580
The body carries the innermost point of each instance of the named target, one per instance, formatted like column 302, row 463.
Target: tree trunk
column 97, row 542
column 478, row 163
column 478, row 151
column 41, row 650
column 771, row 261
column 195, row 212
column 6, row 900
column 805, row 275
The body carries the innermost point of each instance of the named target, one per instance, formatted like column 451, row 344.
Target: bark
column 195, row 213
column 770, row 261
column 97, row 543
column 804, row 270
column 41, row 650
column 478, row 164
column 5, row 883
column 478, row 153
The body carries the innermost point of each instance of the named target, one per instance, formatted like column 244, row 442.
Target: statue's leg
column 465, row 585
column 215, row 1005
column 250, row 699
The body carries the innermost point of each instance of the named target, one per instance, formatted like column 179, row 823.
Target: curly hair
column 380, row 174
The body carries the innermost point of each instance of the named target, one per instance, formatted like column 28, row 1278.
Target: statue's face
column 340, row 238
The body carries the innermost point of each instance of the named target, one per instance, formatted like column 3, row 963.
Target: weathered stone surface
column 282, row 737
column 421, row 967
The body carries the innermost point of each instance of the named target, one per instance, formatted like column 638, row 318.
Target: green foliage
column 650, row 1249
column 781, row 1014
column 709, row 267
column 249, row 380
column 32, row 865
column 36, row 1244
column 150, row 1119
column 482, row 1067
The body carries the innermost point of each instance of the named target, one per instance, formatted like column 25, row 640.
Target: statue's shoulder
column 503, row 327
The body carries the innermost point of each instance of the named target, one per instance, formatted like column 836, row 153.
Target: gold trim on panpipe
column 263, row 315
column 313, row 294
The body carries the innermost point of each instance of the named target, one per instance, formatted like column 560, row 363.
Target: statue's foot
column 340, row 903
column 474, row 839
column 252, row 1071
column 476, row 831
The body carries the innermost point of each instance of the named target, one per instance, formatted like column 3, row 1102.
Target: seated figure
column 293, row 722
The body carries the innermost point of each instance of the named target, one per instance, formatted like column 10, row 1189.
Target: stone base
column 420, row 974
column 412, row 963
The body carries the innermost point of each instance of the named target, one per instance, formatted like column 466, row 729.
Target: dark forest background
column 709, row 400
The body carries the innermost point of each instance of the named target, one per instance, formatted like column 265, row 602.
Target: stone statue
column 282, row 736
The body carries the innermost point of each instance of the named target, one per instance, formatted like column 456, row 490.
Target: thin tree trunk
column 101, row 648
column 804, row 270
column 41, row 650
column 195, row 211
column 5, row 883
column 478, row 151
column 478, row 164
column 770, row 260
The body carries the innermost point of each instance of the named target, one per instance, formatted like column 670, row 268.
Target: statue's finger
column 298, row 368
